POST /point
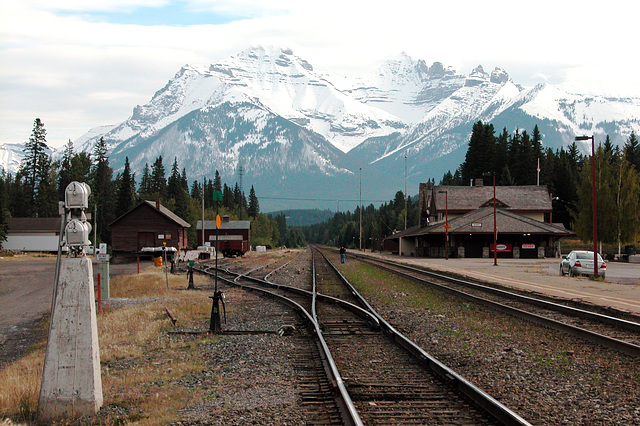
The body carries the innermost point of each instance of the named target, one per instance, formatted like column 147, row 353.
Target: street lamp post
column 495, row 226
column 446, row 223
column 593, row 195
column 405, row 190
column 360, row 243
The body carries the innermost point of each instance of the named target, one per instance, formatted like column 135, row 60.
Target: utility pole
column 405, row 190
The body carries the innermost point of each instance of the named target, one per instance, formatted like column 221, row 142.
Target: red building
column 149, row 224
column 234, row 236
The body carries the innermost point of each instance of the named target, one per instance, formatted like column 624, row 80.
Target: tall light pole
column 446, row 223
column 360, row 209
column 593, row 195
column 405, row 190
column 495, row 226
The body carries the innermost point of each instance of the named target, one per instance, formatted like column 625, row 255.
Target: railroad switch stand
column 191, row 285
column 215, row 326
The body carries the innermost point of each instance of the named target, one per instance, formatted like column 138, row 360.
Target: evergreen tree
column 35, row 164
column 184, row 183
column 217, row 182
column 447, row 179
column 126, row 198
column 208, row 196
column 80, row 167
column 227, row 196
column 500, row 154
column 47, row 191
column 158, row 180
column 174, row 183
column 254, row 205
column 479, row 157
column 145, row 183
column 17, row 200
column 632, row 151
column 177, row 191
column 102, row 192
column 196, row 191
column 65, row 169
column 617, row 188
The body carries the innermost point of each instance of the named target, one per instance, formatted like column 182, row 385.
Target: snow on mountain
column 294, row 129
column 403, row 87
column 11, row 155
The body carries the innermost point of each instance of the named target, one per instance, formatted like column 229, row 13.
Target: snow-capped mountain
column 11, row 155
column 296, row 131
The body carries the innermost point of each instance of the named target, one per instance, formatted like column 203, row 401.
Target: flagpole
column 538, row 170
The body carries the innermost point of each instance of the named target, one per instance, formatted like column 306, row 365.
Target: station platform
column 620, row 290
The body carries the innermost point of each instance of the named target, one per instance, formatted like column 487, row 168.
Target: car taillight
column 604, row 266
column 578, row 264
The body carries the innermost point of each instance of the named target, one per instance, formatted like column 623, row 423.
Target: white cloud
column 76, row 73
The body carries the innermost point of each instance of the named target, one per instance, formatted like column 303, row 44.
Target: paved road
column 26, row 289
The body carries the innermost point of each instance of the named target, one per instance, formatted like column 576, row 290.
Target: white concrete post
column 71, row 380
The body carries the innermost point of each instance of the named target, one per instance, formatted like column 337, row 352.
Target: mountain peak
column 402, row 68
column 281, row 57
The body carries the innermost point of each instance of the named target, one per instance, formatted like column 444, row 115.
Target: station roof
column 155, row 205
column 33, row 224
column 526, row 198
column 480, row 221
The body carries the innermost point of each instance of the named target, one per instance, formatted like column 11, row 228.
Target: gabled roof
column 480, row 221
column 232, row 224
column 33, row 224
column 530, row 198
column 162, row 210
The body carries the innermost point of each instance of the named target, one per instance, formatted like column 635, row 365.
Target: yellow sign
column 218, row 221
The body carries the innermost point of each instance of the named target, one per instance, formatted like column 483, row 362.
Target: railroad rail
column 382, row 376
column 615, row 333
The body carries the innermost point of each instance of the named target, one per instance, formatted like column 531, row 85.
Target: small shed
column 33, row 234
column 234, row 236
column 149, row 224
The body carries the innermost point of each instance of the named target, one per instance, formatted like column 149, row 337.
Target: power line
column 320, row 199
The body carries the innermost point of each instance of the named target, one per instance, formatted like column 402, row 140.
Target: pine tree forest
column 517, row 158
column 38, row 186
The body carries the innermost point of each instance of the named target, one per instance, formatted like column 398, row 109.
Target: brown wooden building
column 234, row 236
column 458, row 221
column 149, row 224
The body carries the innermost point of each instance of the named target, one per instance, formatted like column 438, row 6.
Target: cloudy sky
column 78, row 64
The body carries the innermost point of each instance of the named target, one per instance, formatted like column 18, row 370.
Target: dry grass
column 141, row 363
column 10, row 256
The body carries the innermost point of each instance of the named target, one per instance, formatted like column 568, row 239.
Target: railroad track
column 615, row 333
column 378, row 376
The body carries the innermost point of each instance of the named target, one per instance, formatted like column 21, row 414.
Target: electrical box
column 76, row 195
column 77, row 233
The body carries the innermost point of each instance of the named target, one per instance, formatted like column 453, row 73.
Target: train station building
column 459, row 221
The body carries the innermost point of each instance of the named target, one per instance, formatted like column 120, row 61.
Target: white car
column 579, row 262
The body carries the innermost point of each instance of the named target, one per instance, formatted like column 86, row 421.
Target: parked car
column 579, row 262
